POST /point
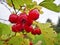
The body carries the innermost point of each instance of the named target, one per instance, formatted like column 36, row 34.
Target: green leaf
column 5, row 29
column 31, row 36
column 50, row 6
column 47, row 32
column 1, row 42
column 18, row 3
column 39, row 38
column 49, row 0
column 26, row 41
column 15, row 40
column 0, row 32
column 27, row 2
column 58, row 38
column 30, row 6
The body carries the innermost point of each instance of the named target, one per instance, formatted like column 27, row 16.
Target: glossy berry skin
column 29, row 21
column 34, row 14
column 13, row 18
column 38, row 31
column 23, row 18
column 17, row 28
column 28, row 28
column 33, row 32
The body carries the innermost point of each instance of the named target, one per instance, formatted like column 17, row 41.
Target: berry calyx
column 34, row 14
column 23, row 18
column 17, row 28
column 13, row 18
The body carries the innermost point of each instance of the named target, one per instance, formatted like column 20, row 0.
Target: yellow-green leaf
column 47, row 32
column 50, row 6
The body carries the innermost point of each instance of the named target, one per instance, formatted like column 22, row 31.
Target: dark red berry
column 33, row 32
column 34, row 14
column 38, row 31
column 31, row 43
column 23, row 18
column 29, row 21
column 28, row 28
column 17, row 28
column 13, row 18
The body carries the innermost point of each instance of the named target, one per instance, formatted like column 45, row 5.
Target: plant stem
column 13, row 6
column 20, row 8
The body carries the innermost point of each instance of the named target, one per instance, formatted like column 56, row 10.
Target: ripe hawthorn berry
column 33, row 32
column 28, row 28
column 17, row 28
column 23, row 18
column 29, row 21
column 13, row 18
column 31, row 43
column 34, row 14
column 38, row 31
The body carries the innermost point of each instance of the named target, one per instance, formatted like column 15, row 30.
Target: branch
column 13, row 6
column 20, row 8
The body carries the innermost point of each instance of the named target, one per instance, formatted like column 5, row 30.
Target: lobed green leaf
column 19, row 3
column 16, row 40
column 47, row 32
column 50, row 6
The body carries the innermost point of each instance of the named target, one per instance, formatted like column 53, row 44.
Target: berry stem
column 6, row 7
column 13, row 6
column 36, row 23
column 19, row 9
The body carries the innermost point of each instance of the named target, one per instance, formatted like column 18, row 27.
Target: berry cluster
column 23, row 22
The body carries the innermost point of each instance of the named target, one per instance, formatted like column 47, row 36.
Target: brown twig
column 13, row 6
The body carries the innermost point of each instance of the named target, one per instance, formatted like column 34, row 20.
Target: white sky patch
column 57, row 2
column 48, row 14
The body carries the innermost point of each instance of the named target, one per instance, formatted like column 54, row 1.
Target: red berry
column 38, row 31
column 29, row 21
column 28, row 28
column 31, row 43
column 17, row 28
column 13, row 18
column 34, row 14
column 23, row 18
column 33, row 32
